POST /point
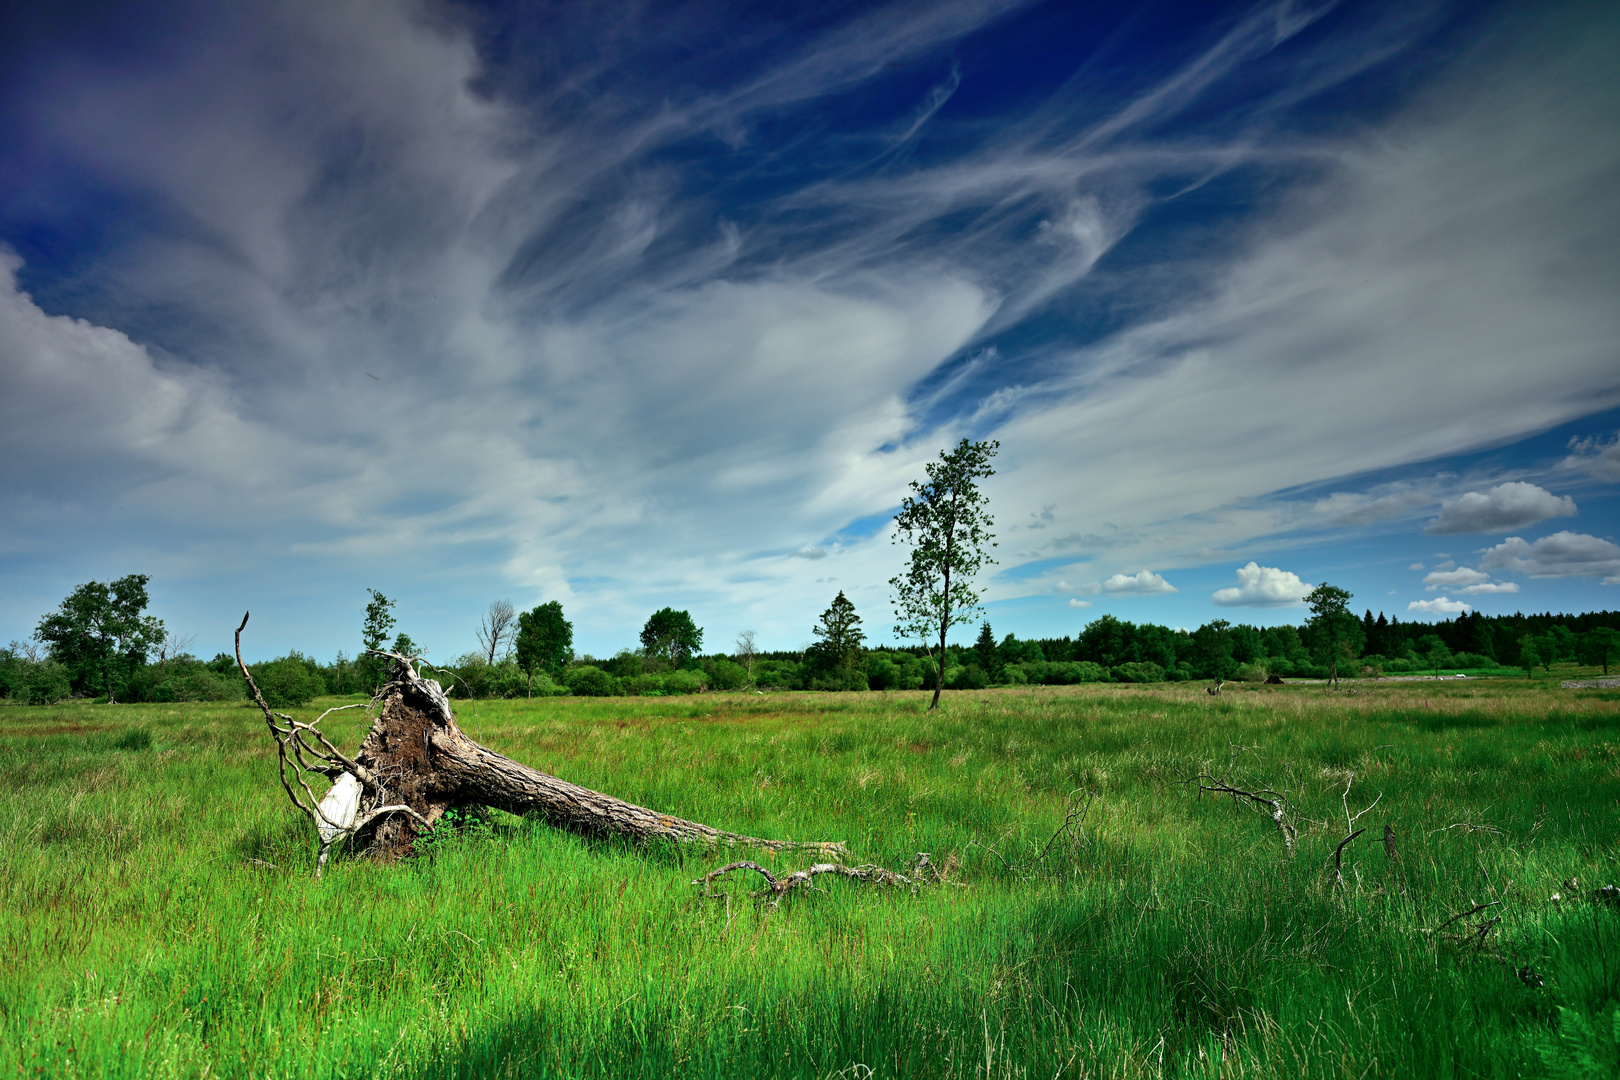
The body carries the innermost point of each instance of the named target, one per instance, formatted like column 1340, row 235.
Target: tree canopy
column 545, row 640
column 671, row 636
column 100, row 634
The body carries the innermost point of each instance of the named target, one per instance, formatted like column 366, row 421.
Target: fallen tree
column 416, row 763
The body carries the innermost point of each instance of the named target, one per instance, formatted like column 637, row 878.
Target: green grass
column 159, row 915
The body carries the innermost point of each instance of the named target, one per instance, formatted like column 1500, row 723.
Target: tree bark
column 416, row 763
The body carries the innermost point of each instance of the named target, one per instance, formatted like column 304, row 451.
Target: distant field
column 161, row 917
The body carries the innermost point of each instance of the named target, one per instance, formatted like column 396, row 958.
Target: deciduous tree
column 946, row 523
column 495, row 631
column 100, row 634
column 545, row 640
column 671, row 636
column 1330, row 611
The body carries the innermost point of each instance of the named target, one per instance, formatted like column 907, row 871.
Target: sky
column 635, row 305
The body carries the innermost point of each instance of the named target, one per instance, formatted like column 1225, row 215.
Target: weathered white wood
column 338, row 809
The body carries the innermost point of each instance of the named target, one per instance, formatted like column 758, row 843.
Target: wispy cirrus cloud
column 633, row 317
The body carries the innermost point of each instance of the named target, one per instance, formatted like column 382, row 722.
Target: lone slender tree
column 495, row 631
column 374, row 637
column 745, row 653
column 946, row 523
column 1330, row 607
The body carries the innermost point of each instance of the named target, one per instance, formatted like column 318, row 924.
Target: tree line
column 101, row 643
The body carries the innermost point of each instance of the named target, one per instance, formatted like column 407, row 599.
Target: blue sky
column 646, row 305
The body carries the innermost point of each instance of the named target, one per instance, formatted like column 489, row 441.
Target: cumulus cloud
column 1439, row 606
column 1415, row 566
column 1451, row 579
column 1492, row 588
column 1076, row 602
column 1263, row 586
column 1506, row 506
column 1563, row 554
column 1143, row 582
column 1595, row 457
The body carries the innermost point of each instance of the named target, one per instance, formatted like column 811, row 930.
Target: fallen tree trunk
column 416, row 763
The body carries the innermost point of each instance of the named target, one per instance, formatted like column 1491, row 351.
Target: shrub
column 198, row 684
column 44, row 683
column 1141, row 671
column 287, row 682
column 970, row 677
column 587, row 680
column 685, row 681
column 881, row 673
column 726, row 674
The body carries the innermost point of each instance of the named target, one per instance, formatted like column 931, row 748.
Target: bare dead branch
column 1272, row 800
column 779, row 887
column 1338, row 855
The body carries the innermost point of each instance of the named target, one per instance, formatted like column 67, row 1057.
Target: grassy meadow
column 161, row 918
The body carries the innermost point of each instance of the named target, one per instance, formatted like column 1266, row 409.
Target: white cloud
column 1492, row 588
column 1594, row 456
column 1342, row 508
column 1439, row 606
column 1563, row 554
column 1076, row 602
column 1143, row 582
column 1415, row 566
column 1263, row 586
column 1506, row 506
column 1451, row 579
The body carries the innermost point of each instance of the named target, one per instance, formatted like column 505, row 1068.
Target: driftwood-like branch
column 1265, row 797
column 779, row 887
column 1338, row 855
column 415, row 763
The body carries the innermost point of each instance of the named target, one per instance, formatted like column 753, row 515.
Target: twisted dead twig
column 1266, row 797
column 1074, row 827
column 1338, row 855
column 779, row 887
column 1350, row 825
column 1483, row 928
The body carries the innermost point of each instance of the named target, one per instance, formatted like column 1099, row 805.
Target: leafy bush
column 969, row 677
column 685, row 681
column 726, row 675
column 587, row 680
column 1038, row 673
column 288, row 682
column 881, row 673
column 777, row 674
column 195, row 682
column 44, row 683
column 1141, row 671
